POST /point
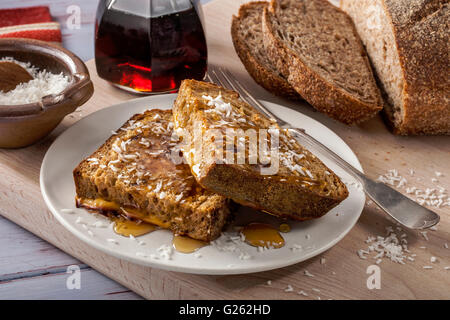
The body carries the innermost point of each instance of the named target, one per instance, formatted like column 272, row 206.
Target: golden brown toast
column 136, row 173
column 301, row 188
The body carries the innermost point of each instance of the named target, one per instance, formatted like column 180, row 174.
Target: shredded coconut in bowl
column 44, row 83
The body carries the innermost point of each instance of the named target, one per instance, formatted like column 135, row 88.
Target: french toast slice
column 138, row 173
column 206, row 116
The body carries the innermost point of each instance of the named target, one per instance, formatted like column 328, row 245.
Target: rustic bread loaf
column 135, row 170
column 408, row 44
column 246, row 32
column 217, row 129
column 316, row 47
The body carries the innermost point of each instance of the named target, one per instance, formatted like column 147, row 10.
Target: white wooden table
column 31, row 268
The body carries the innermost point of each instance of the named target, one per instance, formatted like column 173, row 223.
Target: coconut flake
column 44, row 83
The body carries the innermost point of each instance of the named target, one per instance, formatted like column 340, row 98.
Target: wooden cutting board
column 341, row 276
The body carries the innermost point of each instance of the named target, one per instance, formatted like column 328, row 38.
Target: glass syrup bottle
column 150, row 46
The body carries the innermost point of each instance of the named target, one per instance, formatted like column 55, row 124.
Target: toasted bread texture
column 141, row 170
column 246, row 32
column 317, row 49
column 407, row 42
column 300, row 187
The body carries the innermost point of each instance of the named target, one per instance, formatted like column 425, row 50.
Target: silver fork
column 401, row 208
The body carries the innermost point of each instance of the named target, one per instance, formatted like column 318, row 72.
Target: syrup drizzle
column 135, row 228
column 256, row 234
column 262, row 235
column 185, row 244
column 284, row 227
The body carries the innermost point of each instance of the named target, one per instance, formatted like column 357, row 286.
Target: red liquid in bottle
column 148, row 53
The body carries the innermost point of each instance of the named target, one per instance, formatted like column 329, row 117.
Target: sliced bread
column 407, row 42
column 246, row 32
column 218, row 128
column 316, row 47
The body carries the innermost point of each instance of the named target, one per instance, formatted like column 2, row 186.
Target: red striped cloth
column 31, row 23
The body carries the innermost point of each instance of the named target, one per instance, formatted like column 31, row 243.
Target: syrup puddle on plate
column 262, row 235
column 135, row 228
column 185, row 244
column 256, row 234
column 284, row 228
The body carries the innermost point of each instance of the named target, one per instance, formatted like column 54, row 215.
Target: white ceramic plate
column 85, row 136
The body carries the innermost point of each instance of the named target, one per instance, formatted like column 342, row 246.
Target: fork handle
column 401, row 208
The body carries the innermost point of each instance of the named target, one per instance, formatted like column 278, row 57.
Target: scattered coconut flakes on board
column 424, row 235
column 308, row 274
column 289, row 288
column 435, row 196
column 44, row 83
column 391, row 246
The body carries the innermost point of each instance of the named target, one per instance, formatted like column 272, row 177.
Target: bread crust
column 420, row 43
column 283, row 199
column 421, row 33
column 320, row 93
column 260, row 73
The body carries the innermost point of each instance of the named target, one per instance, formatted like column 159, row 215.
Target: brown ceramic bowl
column 22, row 125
